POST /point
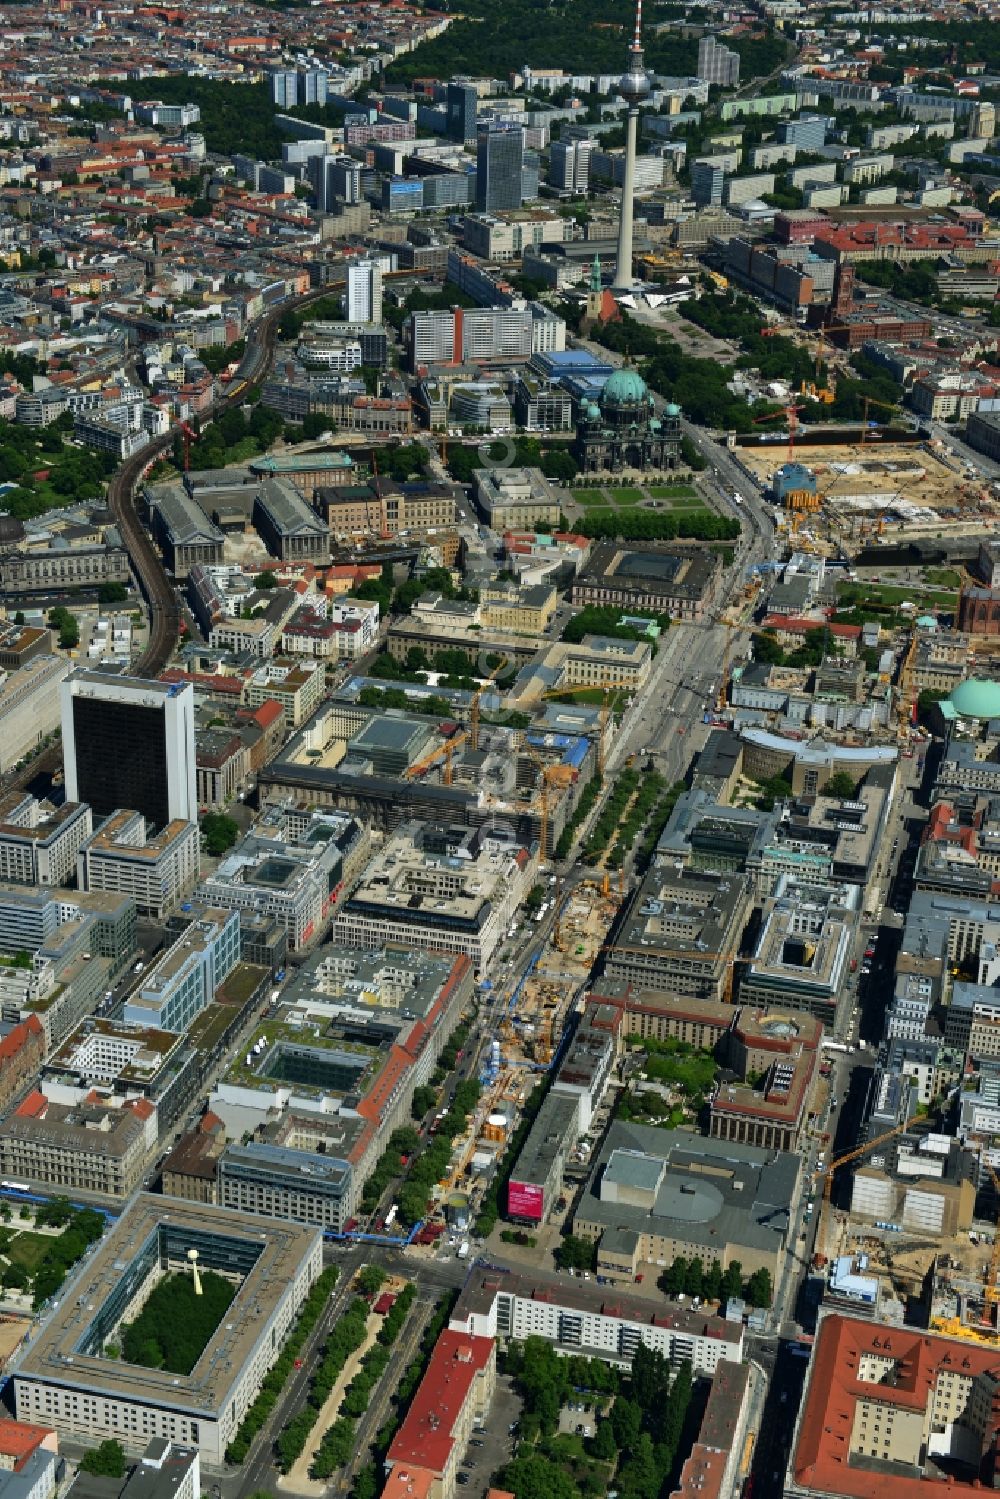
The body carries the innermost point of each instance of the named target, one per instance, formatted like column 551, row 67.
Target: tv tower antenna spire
column 633, row 86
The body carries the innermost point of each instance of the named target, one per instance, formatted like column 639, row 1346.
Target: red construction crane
column 188, row 435
column 791, row 414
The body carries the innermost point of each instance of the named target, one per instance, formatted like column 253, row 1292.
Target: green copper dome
column 977, row 698
column 672, row 409
column 624, row 388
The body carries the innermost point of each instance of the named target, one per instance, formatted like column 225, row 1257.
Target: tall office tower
column 718, row 64
column 633, row 87
column 707, row 181
column 336, row 180
column 363, row 300
column 499, row 158
column 285, row 88
column 315, row 86
column 569, row 165
column 128, row 742
column 462, row 103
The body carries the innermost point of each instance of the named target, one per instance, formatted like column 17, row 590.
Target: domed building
column 622, row 431
column 978, row 698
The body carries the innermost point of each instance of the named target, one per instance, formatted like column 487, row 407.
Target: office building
column 128, row 742
column 184, row 980
column 156, row 871
column 516, row 499
column 38, row 842
column 418, row 893
column 803, row 949
column 78, row 1147
column 363, row 297
column 483, row 335
column 66, row 1379
column 29, row 707
column 680, row 932
column 718, row 64
column 31, row 1477
column 499, row 159
column 294, row 868
column 653, row 1195
column 281, row 1182
column 461, row 105
column 707, row 183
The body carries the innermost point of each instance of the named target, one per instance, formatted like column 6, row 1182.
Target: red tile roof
column 822, row 1461
column 425, row 1437
column 35, row 1106
column 19, row 1037
column 799, row 625
column 19, row 1439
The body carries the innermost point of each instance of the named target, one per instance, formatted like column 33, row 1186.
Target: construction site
column 527, row 1022
column 862, row 493
column 947, row 1279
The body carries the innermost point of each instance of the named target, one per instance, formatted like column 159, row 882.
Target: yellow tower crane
column 856, row 1155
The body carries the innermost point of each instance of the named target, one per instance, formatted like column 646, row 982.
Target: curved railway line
column 164, row 611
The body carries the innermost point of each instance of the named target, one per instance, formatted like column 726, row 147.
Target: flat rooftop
column 710, row 1193
column 269, row 1253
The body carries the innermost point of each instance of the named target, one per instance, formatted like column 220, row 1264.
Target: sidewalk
column 297, row 1481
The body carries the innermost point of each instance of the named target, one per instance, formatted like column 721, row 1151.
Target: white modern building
column 363, row 297
column 582, row 1319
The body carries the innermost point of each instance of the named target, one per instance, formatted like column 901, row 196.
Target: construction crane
column 791, row 415
column 883, row 406
column 824, row 330
column 557, row 777
column 856, row 1155
column 447, row 749
column 474, row 706
column 188, row 436
column 607, row 686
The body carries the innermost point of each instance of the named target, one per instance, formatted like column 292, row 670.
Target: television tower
column 633, row 87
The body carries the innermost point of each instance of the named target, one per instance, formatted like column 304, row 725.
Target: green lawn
column 28, row 1250
column 891, row 593
column 589, row 498
column 627, row 496
column 943, row 577
column 673, row 492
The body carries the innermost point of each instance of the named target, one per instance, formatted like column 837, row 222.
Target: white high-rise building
column 569, row 165
column 363, row 300
column 718, row 64
column 129, row 742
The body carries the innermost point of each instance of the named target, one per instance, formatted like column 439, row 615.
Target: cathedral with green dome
column 622, row 433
